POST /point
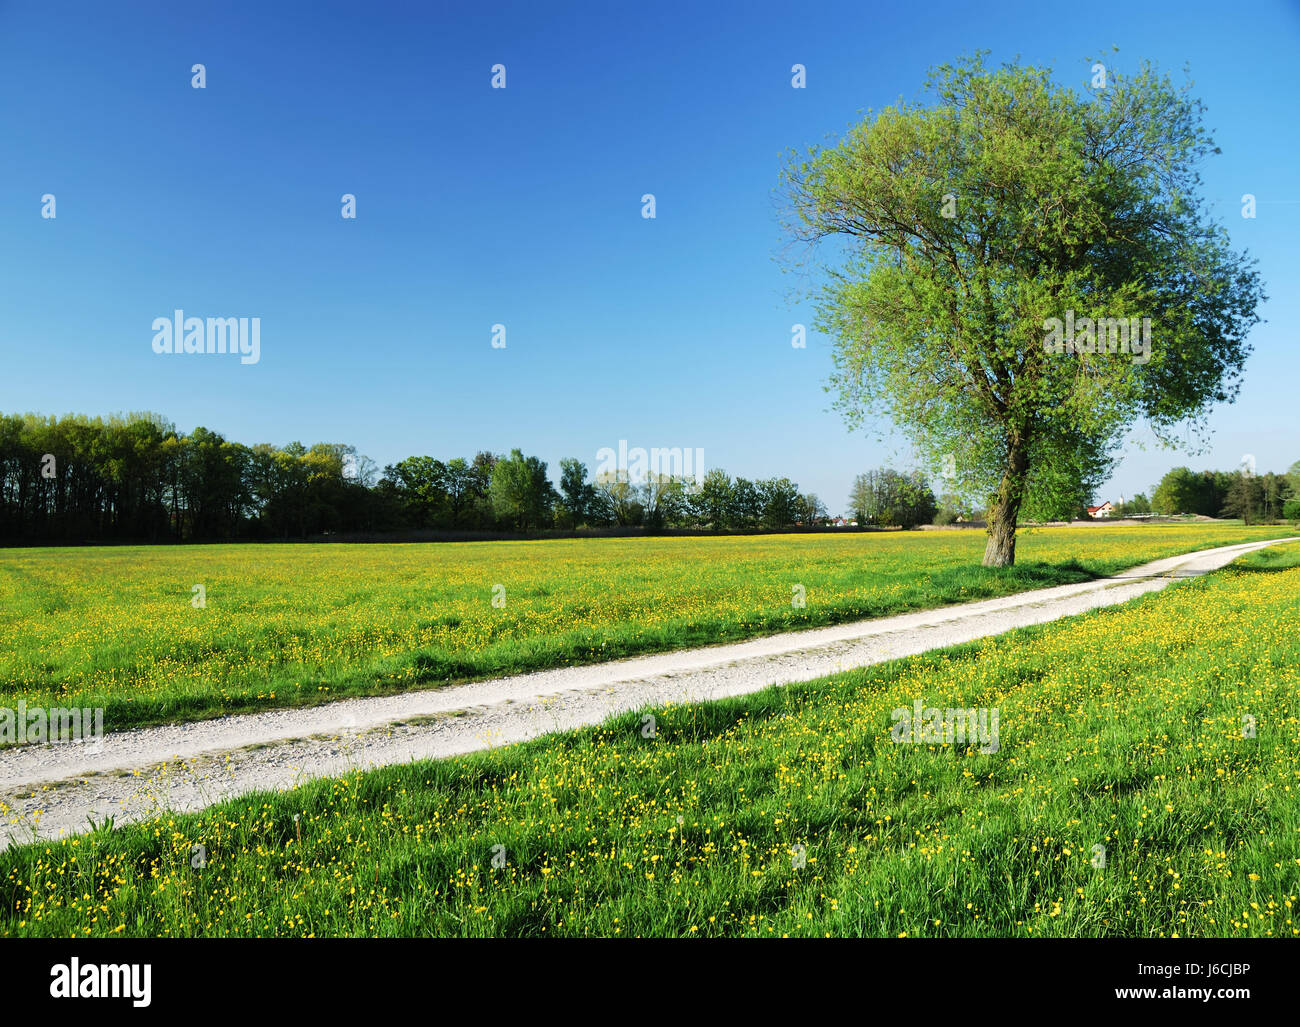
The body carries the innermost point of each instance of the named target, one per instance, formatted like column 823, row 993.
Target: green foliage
column 520, row 491
column 1244, row 498
column 710, row 504
column 431, row 494
column 1272, row 493
column 1182, row 491
column 82, row 479
column 1059, row 202
column 812, row 510
column 578, row 496
column 1139, row 504
column 744, row 504
column 1293, row 479
column 1064, row 474
column 886, row 498
column 1221, row 494
column 780, row 501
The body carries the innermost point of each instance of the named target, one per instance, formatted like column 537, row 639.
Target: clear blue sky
column 523, row 206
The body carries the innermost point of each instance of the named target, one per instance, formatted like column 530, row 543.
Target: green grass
column 1122, row 728
column 288, row 625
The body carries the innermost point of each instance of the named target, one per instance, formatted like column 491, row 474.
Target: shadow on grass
column 1268, row 561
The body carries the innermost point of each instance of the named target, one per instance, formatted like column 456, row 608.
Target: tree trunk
column 1001, row 548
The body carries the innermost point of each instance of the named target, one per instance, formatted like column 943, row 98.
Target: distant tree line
column 1241, row 493
column 137, row 478
column 889, row 498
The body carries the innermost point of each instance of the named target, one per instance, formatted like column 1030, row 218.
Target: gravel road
column 50, row 791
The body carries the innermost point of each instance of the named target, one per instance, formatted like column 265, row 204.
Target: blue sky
column 522, row 206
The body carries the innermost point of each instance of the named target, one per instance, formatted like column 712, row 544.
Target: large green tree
column 577, row 494
column 1293, row 478
column 1244, row 498
column 711, row 502
column 886, row 498
column 520, row 491
column 948, row 234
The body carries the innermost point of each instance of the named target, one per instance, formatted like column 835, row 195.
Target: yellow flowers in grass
column 281, row 625
column 1146, row 785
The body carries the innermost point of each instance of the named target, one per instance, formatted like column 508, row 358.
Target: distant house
column 1105, row 510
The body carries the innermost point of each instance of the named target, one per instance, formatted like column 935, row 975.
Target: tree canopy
column 948, row 237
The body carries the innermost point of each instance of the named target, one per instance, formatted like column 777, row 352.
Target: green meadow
column 176, row 633
column 1146, row 784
